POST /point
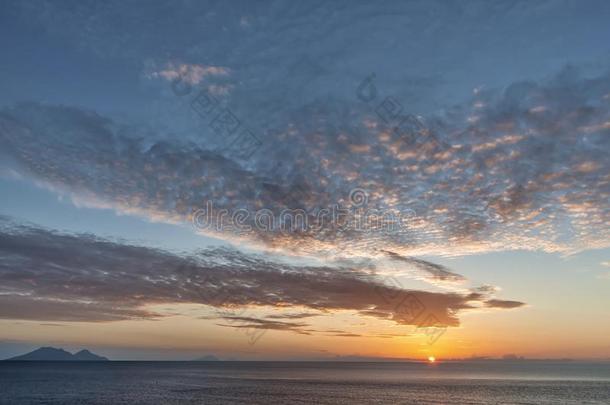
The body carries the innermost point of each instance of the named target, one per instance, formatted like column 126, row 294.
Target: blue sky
column 482, row 125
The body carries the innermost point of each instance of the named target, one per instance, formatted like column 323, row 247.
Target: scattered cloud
column 514, row 179
column 192, row 74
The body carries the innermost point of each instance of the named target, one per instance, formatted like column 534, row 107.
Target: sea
column 450, row 382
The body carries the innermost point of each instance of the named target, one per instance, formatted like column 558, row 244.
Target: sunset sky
column 450, row 159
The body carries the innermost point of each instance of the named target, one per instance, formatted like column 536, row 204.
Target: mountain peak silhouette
column 54, row 354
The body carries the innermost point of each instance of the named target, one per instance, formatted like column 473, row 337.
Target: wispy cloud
column 259, row 323
column 436, row 271
column 505, row 304
column 301, row 315
column 244, row 322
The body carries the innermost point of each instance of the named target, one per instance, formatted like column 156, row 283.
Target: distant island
column 53, row 354
column 209, row 357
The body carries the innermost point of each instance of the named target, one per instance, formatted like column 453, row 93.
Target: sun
column 431, row 359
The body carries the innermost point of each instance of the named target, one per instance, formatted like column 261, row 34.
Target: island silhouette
column 54, row 354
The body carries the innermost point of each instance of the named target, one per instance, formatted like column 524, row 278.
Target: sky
column 317, row 180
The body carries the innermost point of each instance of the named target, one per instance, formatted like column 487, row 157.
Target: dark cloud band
column 50, row 276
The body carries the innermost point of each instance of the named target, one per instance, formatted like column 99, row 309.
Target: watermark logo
column 410, row 128
column 236, row 140
column 408, row 308
column 355, row 217
column 215, row 293
column 358, row 197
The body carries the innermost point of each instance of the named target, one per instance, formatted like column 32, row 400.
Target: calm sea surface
column 304, row 382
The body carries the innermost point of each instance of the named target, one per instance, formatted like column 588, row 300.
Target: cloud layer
column 521, row 168
column 268, row 114
column 519, row 164
column 51, row 276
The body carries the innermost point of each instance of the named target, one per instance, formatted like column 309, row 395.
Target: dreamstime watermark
column 408, row 127
column 223, row 300
column 237, row 140
column 355, row 217
column 238, row 319
column 408, row 308
column 413, row 130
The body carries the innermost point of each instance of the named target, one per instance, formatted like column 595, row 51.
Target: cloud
column 346, row 334
column 436, row 271
column 192, row 74
column 184, row 77
column 246, row 322
column 26, row 305
column 51, row 276
column 521, row 168
column 494, row 303
column 301, row 315
column 242, row 322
